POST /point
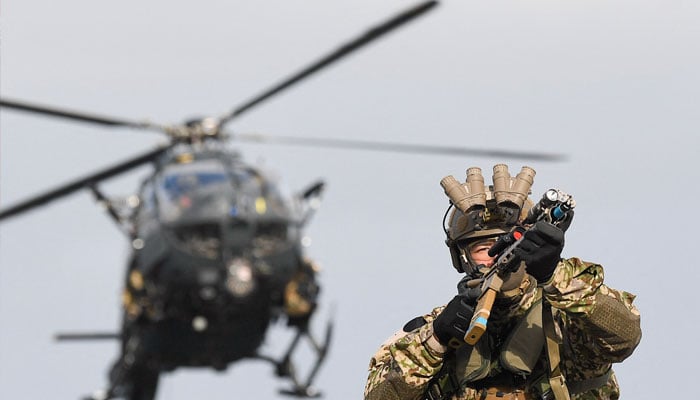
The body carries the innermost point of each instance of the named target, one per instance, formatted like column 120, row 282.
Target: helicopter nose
column 240, row 280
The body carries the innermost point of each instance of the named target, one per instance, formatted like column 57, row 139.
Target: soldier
column 554, row 330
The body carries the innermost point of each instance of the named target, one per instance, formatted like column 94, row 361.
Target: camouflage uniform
column 598, row 326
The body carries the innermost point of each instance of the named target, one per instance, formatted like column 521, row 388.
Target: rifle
column 553, row 208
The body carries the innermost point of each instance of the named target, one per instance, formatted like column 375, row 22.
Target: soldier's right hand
column 451, row 325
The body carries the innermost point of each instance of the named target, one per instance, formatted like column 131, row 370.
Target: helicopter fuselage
column 214, row 248
column 202, row 312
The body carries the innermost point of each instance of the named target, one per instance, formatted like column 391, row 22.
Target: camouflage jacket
column 598, row 325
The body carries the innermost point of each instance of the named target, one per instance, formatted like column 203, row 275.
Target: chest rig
column 518, row 353
column 527, row 358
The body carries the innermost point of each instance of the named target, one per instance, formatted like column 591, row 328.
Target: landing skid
column 127, row 379
column 286, row 368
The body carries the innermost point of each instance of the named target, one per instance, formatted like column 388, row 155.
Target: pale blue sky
column 613, row 84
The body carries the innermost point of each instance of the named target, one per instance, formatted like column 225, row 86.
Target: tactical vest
column 519, row 354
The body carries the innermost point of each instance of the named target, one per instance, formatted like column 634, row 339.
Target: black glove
column 472, row 294
column 452, row 323
column 541, row 249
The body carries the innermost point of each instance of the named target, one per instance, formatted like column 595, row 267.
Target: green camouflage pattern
column 404, row 365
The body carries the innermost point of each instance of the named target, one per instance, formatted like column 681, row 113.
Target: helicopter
column 215, row 246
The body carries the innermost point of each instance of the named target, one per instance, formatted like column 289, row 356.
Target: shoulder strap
column 556, row 379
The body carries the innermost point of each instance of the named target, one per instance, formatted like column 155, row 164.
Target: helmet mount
column 479, row 211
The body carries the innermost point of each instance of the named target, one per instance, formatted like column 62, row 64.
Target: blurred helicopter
column 217, row 248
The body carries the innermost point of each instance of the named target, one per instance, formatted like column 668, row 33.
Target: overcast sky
column 612, row 84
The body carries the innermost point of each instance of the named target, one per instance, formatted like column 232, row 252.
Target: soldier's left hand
column 541, row 249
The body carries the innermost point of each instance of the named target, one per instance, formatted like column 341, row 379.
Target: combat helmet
column 480, row 212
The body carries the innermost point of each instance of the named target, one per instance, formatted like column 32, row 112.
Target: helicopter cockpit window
column 259, row 198
column 273, row 237
column 199, row 191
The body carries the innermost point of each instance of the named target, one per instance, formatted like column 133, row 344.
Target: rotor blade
column 370, row 35
column 82, row 183
column 397, row 147
column 79, row 116
column 87, row 336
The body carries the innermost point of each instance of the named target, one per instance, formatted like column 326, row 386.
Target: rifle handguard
column 481, row 316
column 477, row 327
